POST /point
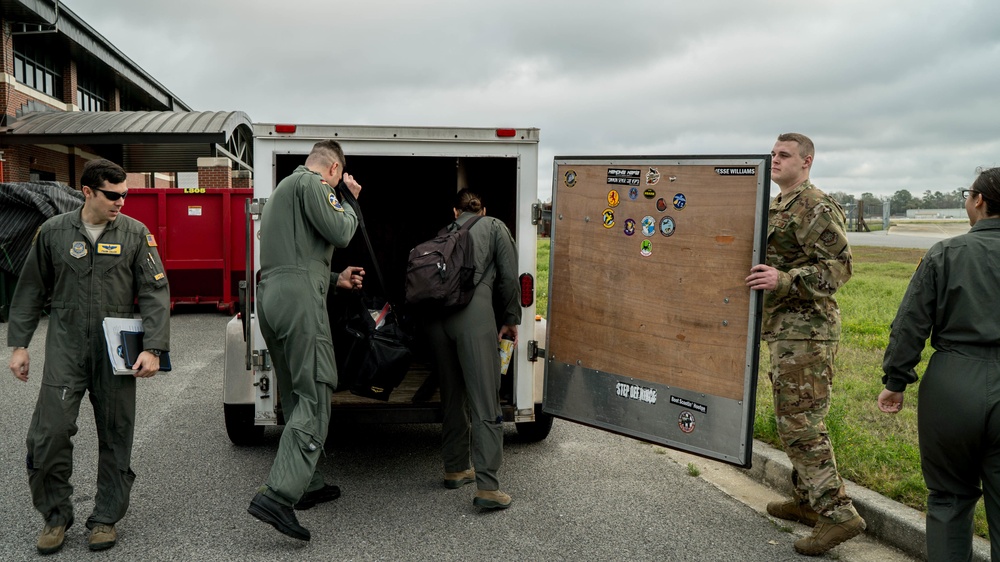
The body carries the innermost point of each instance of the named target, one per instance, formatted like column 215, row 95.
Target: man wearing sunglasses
column 92, row 263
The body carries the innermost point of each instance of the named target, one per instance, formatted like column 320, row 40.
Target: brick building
column 68, row 96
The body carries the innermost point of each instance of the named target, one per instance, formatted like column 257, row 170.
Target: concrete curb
column 888, row 521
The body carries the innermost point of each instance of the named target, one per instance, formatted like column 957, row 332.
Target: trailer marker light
column 527, row 289
column 284, row 128
column 506, row 132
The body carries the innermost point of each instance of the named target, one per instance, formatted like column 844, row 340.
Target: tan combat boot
column 827, row 534
column 51, row 539
column 794, row 510
column 491, row 499
column 453, row 480
column 103, row 537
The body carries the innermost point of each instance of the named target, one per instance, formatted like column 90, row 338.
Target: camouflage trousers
column 802, row 375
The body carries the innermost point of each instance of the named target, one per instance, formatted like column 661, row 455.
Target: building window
column 88, row 101
column 90, row 93
column 130, row 100
column 36, row 69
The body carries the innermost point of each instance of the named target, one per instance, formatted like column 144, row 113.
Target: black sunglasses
column 967, row 192
column 111, row 195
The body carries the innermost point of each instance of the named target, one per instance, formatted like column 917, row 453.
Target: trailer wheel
column 240, row 426
column 532, row 432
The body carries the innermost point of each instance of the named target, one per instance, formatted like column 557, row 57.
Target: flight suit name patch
column 78, row 250
column 111, row 249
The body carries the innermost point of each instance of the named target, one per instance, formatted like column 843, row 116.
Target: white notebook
column 113, row 335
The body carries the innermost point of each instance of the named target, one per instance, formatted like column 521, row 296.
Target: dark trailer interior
column 406, row 200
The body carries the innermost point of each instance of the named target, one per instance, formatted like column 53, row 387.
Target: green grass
column 542, row 278
column 878, row 451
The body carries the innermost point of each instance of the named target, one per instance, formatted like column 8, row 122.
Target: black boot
column 279, row 516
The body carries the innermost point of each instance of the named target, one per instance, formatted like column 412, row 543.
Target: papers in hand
column 113, row 328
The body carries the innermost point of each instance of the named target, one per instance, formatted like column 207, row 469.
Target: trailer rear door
column 652, row 332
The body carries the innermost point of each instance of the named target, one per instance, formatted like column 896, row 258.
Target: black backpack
column 440, row 273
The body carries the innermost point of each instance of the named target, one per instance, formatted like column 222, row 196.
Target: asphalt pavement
column 581, row 494
column 909, row 234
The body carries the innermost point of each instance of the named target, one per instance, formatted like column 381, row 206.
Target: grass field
column 878, row 451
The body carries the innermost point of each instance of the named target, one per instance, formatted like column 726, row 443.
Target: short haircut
column 96, row 172
column 806, row 147
column 987, row 184
column 325, row 153
column 468, row 202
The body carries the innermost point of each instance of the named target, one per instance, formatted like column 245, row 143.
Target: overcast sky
column 895, row 94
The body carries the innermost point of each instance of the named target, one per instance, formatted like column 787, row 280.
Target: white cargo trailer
column 409, row 177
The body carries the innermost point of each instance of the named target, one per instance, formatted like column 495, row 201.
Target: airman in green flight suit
column 92, row 263
column 302, row 223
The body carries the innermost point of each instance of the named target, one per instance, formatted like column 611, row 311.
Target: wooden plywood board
column 670, row 309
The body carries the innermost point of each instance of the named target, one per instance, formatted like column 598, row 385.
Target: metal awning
column 149, row 140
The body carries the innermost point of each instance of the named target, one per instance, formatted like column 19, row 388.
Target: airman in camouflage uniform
column 808, row 259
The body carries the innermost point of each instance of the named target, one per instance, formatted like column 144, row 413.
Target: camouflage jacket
column 807, row 244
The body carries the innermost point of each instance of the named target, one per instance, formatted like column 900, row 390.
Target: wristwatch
column 155, row 352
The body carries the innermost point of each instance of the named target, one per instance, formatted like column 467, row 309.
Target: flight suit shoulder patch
column 334, row 203
column 150, row 240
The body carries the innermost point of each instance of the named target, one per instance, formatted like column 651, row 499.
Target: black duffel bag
column 377, row 349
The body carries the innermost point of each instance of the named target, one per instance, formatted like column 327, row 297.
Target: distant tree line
column 903, row 200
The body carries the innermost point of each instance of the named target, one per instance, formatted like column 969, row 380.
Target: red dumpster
column 201, row 237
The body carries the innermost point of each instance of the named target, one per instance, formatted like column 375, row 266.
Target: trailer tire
column 533, row 432
column 240, row 426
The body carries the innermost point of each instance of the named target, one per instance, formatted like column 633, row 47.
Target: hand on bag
column 352, row 185
column 351, row 278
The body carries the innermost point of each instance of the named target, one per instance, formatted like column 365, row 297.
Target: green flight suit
column 952, row 299
column 807, row 244
column 464, row 348
column 302, row 223
column 86, row 283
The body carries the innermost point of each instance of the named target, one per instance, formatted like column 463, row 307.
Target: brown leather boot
column 51, row 539
column 827, row 534
column 794, row 510
column 103, row 537
column 491, row 499
column 453, row 480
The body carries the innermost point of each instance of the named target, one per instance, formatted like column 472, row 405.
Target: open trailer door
column 652, row 331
